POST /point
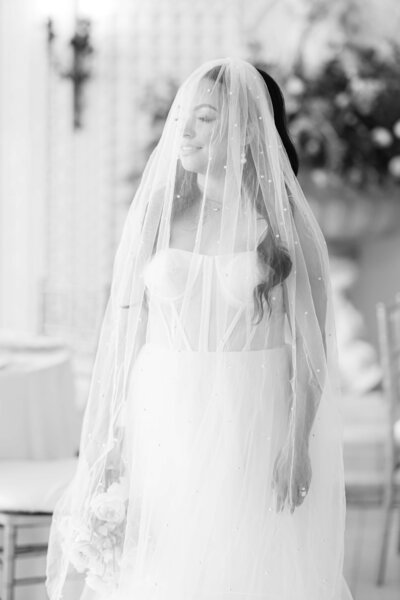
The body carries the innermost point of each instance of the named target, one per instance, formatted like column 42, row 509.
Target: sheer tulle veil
column 260, row 211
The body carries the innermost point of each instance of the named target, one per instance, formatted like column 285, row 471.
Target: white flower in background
column 365, row 92
column 319, row 177
column 355, row 175
column 312, row 146
column 342, row 100
column 381, row 136
column 292, row 105
column 394, row 166
column 295, row 86
column 396, row 129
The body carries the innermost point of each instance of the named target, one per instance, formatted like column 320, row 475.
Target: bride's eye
column 205, row 119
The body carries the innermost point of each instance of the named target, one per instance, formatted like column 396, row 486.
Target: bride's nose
column 188, row 130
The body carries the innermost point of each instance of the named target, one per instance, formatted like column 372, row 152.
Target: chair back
column 388, row 318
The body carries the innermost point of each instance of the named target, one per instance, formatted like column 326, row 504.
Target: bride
column 210, row 460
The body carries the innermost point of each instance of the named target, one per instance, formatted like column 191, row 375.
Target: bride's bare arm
column 292, row 471
column 309, row 383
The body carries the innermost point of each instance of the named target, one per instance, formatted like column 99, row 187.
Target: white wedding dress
column 206, row 418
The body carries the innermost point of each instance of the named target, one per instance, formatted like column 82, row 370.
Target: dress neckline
column 211, row 256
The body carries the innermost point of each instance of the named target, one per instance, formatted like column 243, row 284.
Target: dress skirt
column 202, row 433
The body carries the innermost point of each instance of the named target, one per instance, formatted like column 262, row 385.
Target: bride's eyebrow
column 208, row 106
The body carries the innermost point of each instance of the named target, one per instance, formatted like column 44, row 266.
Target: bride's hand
column 298, row 477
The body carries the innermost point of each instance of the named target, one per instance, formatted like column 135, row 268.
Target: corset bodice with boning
column 216, row 314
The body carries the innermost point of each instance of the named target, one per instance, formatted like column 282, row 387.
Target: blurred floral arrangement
column 346, row 120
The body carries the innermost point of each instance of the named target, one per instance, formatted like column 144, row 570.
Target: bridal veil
column 260, row 212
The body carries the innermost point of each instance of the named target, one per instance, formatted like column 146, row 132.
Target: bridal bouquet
column 95, row 543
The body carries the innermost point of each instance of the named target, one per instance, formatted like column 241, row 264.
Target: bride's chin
column 192, row 165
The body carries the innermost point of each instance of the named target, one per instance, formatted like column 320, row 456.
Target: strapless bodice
column 204, row 302
column 236, row 274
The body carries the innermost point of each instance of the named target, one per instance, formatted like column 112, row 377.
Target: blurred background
column 85, row 86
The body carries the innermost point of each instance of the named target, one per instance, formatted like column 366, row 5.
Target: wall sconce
column 79, row 72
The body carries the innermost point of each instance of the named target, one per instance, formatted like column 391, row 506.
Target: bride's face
column 201, row 145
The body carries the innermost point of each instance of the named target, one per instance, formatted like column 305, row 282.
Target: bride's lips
column 185, row 150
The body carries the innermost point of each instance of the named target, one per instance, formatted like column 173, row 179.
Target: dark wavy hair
column 271, row 252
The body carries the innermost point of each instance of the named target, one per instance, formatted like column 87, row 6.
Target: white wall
column 64, row 193
column 22, row 155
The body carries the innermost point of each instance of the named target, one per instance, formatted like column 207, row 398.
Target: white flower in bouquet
column 110, row 506
column 80, row 531
column 83, row 555
column 108, row 555
column 100, row 585
column 104, row 582
column 106, row 527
